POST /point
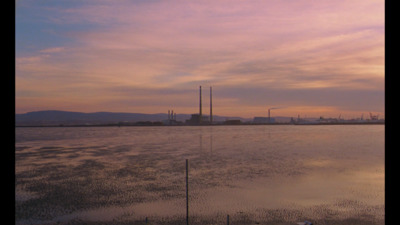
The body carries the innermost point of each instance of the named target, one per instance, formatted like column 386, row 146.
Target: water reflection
column 268, row 174
column 206, row 141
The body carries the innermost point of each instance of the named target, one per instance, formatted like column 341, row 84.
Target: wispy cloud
column 286, row 47
column 52, row 50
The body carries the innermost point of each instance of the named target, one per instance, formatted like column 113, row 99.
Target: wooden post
column 227, row 219
column 187, row 192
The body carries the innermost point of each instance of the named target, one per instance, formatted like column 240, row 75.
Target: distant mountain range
column 54, row 117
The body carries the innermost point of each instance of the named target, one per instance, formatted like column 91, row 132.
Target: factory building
column 171, row 119
column 232, row 122
column 261, row 120
column 195, row 119
column 265, row 120
column 200, row 119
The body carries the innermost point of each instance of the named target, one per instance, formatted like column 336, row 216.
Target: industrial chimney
column 200, row 113
column 211, row 116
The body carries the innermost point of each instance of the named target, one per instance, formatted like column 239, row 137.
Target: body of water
column 254, row 174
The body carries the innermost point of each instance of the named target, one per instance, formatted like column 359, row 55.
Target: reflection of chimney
column 211, row 117
column 200, row 113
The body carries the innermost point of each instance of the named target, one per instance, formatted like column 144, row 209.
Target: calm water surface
column 256, row 174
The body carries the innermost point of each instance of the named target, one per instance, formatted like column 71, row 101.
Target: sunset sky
column 308, row 58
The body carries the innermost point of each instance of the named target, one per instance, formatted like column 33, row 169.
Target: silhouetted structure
column 187, row 192
column 211, row 116
column 199, row 119
column 171, row 119
column 233, row 122
column 195, row 119
column 270, row 120
column 263, row 120
column 200, row 110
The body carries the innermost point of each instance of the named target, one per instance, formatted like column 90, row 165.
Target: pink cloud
column 271, row 44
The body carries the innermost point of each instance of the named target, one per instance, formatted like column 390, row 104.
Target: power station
column 200, row 119
column 211, row 115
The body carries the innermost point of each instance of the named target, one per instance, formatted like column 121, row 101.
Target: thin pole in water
column 227, row 219
column 187, row 192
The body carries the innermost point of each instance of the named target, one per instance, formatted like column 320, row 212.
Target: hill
column 55, row 117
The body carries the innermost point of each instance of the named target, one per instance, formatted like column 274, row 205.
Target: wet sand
column 122, row 176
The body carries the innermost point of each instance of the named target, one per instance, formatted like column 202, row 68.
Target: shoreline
column 196, row 125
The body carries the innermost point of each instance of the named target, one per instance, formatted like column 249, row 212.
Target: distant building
column 199, row 119
column 171, row 119
column 171, row 122
column 233, row 122
column 327, row 120
column 261, row 120
column 196, row 119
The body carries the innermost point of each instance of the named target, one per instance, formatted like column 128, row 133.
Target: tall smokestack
column 211, row 117
column 269, row 115
column 200, row 113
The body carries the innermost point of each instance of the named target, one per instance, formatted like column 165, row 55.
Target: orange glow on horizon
column 319, row 59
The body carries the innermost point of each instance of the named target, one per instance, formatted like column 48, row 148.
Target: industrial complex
column 201, row 119
column 170, row 119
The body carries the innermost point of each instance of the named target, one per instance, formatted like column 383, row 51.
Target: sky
column 304, row 57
